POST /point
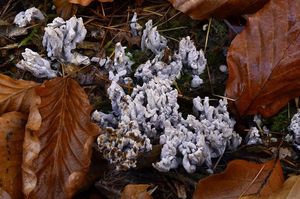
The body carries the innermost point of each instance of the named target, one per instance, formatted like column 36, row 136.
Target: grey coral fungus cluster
column 187, row 59
column 135, row 26
column 154, row 68
column 295, row 127
column 35, row 64
column 121, row 144
column 61, row 37
column 152, row 112
column 146, row 109
column 193, row 60
column 152, row 40
column 118, row 68
column 253, row 136
column 23, row 18
column 60, row 40
column 198, row 138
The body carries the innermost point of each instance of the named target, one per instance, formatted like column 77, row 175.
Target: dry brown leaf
column 203, row 9
column 57, row 156
column 12, row 127
column 136, row 191
column 65, row 9
column 264, row 60
column 240, row 178
column 290, row 189
column 20, row 96
column 17, row 95
column 87, row 2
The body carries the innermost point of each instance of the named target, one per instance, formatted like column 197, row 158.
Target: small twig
column 10, row 46
column 6, row 8
column 152, row 12
column 102, row 9
column 152, row 190
column 169, row 19
column 171, row 38
column 103, row 40
column 218, row 161
column 171, row 29
column 207, row 35
column 163, row 16
column 224, row 97
column 112, row 28
column 297, row 104
column 177, row 87
column 205, row 47
column 77, row 71
column 89, row 21
column 98, row 14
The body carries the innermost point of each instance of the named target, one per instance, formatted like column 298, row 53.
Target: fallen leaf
column 87, row 2
column 12, row 127
column 17, row 95
column 65, row 9
column 290, row 189
column 57, row 156
column 264, row 60
column 203, row 9
column 242, row 178
column 136, row 191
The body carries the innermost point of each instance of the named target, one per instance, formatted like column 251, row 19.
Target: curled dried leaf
column 57, row 156
column 242, row 178
column 203, row 9
column 264, row 60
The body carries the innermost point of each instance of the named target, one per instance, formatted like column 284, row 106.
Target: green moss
column 101, row 103
column 279, row 122
column 218, row 33
column 184, row 83
column 215, row 58
column 140, row 57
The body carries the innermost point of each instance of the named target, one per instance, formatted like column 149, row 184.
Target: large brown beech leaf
column 264, row 60
column 57, row 156
column 203, row 9
column 12, row 127
column 242, row 178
